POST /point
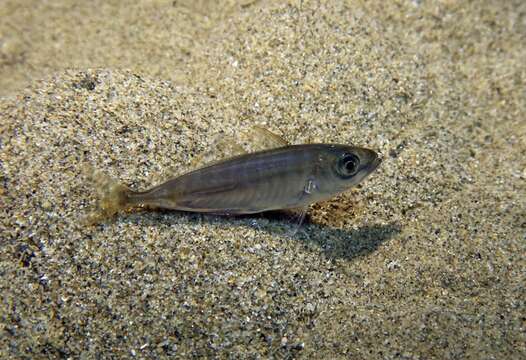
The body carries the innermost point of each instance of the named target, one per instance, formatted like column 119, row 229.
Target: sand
column 425, row 259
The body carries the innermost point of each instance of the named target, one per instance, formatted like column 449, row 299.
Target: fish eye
column 349, row 165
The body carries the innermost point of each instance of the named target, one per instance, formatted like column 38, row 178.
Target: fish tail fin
column 112, row 196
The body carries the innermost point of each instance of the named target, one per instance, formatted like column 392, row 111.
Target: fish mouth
column 371, row 167
column 376, row 162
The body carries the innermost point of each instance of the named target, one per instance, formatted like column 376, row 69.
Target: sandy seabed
column 425, row 259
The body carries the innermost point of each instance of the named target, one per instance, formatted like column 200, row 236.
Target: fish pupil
column 350, row 164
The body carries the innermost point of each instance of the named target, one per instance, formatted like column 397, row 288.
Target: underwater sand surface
column 425, row 259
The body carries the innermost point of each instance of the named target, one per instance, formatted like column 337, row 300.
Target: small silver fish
column 292, row 176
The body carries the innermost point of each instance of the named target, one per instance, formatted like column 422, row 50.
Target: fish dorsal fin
column 257, row 138
column 221, row 148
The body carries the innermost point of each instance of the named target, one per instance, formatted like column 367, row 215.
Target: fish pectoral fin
column 259, row 138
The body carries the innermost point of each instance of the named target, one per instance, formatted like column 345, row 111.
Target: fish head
column 346, row 165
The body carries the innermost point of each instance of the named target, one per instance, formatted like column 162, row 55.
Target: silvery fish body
column 293, row 176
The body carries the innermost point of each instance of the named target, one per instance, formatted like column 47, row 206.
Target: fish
column 280, row 178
